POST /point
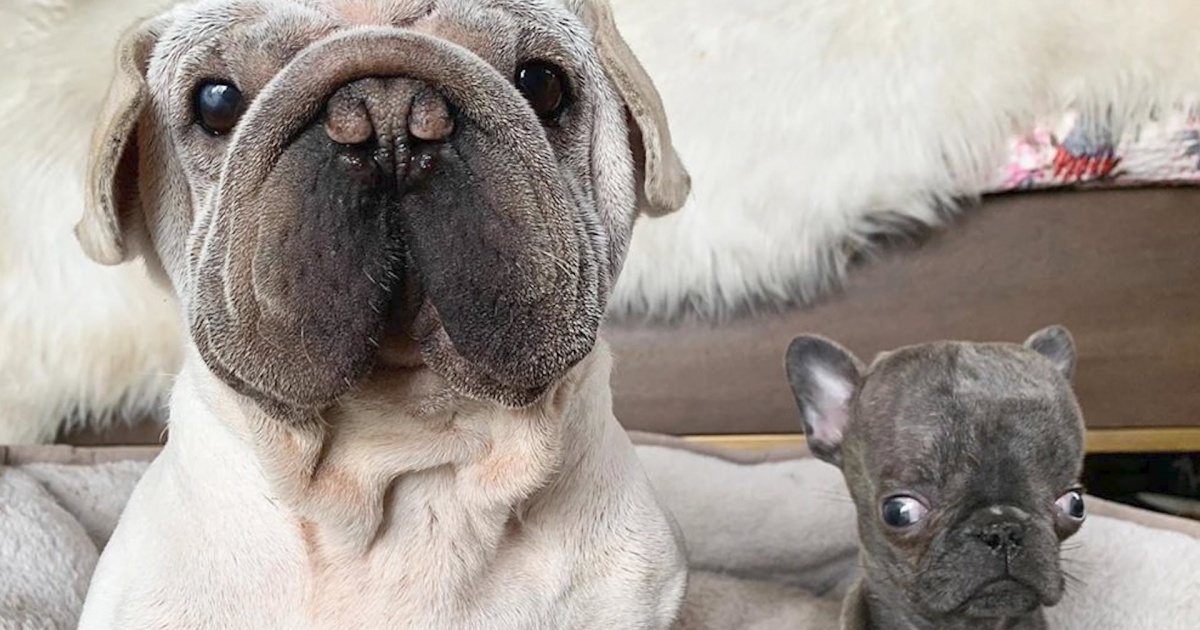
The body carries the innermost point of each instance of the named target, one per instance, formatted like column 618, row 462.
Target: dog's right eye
column 544, row 85
column 902, row 511
column 218, row 107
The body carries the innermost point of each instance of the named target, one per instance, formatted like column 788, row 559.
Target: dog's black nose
column 1003, row 537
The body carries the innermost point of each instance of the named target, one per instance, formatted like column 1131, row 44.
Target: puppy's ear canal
column 666, row 181
column 824, row 378
column 111, row 188
column 1055, row 343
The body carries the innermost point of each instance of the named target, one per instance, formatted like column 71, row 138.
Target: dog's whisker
column 1072, row 582
column 558, row 262
column 833, row 497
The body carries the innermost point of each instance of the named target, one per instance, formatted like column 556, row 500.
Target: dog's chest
column 438, row 565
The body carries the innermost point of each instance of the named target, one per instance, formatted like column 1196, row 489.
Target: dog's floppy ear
column 824, row 377
column 111, row 187
column 1055, row 343
column 666, row 181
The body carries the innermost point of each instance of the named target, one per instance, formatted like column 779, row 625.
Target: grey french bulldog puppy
column 963, row 460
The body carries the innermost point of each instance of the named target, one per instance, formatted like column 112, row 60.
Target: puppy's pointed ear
column 111, row 187
column 666, row 182
column 1055, row 343
column 824, row 378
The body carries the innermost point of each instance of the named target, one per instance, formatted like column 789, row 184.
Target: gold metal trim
column 1166, row 440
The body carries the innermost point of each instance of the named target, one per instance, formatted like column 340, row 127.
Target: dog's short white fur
column 206, row 519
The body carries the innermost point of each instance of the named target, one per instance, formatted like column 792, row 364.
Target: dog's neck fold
column 872, row 605
column 335, row 473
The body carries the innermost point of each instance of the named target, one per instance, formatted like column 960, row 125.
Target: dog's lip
column 398, row 349
column 1002, row 596
column 1007, row 581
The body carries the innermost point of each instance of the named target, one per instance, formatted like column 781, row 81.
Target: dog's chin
column 399, row 347
column 1002, row 598
column 399, row 351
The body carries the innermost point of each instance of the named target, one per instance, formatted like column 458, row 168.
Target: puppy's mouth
column 1005, row 597
column 390, row 199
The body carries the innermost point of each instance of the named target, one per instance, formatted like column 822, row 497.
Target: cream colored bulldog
column 392, row 226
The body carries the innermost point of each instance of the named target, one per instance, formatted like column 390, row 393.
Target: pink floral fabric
column 1070, row 152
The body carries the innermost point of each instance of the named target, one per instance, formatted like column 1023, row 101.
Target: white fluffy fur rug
column 772, row 547
column 809, row 125
column 74, row 336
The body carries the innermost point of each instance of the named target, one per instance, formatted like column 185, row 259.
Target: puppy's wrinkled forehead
column 939, row 404
column 249, row 41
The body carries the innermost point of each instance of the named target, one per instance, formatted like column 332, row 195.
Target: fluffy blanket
column 772, row 543
column 808, row 125
column 812, row 126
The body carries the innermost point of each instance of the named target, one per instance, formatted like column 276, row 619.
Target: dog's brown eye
column 544, row 86
column 218, row 107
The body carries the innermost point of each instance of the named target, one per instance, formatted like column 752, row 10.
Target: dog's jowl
column 392, row 226
column 963, row 460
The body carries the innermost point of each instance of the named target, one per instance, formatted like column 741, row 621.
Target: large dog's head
column 331, row 184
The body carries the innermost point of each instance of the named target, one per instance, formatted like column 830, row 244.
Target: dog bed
column 770, row 537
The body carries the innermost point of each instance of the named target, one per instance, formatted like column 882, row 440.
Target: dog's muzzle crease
column 385, row 175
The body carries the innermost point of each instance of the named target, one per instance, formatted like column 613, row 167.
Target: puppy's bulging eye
column 218, row 107
column 1071, row 505
column 902, row 511
column 545, row 87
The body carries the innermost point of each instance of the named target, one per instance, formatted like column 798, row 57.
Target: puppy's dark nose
column 1005, row 537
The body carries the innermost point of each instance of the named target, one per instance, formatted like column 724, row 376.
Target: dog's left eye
column 902, row 511
column 218, row 107
column 1071, row 505
column 544, row 85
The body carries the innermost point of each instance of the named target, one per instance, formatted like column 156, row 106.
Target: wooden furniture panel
column 1119, row 268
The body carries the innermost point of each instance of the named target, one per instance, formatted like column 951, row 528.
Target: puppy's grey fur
column 986, row 439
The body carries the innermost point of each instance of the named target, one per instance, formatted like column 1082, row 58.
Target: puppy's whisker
column 1072, row 582
column 833, row 497
column 1076, row 563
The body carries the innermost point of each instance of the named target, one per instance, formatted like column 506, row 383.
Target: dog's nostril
column 1002, row 536
column 359, row 167
column 347, row 122
column 430, row 119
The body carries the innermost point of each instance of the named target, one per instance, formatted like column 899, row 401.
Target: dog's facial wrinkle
column 540, row 284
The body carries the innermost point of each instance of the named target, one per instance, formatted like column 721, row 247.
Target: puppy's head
column 333, row 184
column 963, row 460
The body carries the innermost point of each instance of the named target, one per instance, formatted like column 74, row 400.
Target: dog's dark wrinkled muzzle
column 387, row 176
column 999, row 562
